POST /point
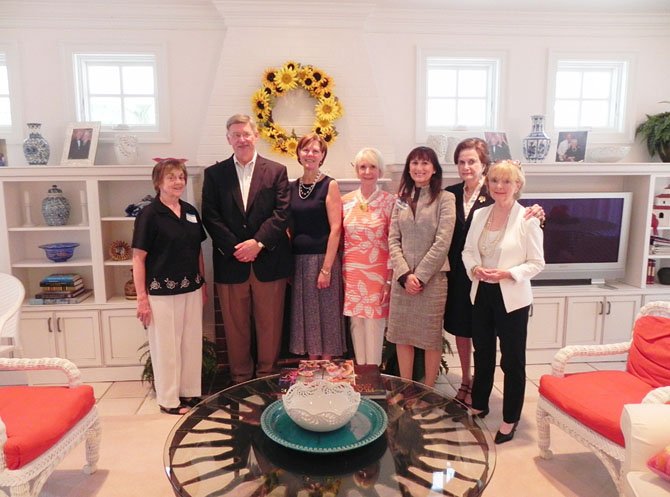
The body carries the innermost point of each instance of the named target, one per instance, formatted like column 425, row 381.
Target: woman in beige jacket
column 422, row 223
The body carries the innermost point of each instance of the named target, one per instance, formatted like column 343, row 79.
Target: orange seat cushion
column 649, row 355
column 37, row 417
column 596, row 398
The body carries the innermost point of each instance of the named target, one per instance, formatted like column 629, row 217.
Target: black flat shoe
column 190, row 401
column 501, row 438
column 177, row 411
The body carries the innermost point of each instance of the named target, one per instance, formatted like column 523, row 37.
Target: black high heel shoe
column 501, row 438
column 481, row 414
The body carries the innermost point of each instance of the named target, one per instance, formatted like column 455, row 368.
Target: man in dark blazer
column 245, row 201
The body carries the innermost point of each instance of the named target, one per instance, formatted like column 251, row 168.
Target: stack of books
column 61, row 288
column 659, row 245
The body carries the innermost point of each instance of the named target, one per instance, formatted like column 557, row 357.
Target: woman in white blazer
column 503, row 251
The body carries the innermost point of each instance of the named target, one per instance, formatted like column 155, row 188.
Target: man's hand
column 247, row 250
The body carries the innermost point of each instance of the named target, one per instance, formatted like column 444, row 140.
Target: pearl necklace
column 487, row 247
column 306, row 191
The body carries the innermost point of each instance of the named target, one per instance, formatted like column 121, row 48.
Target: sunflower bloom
column 287, row 79
column 291, row 145
column 328, row 109
column 260, row 100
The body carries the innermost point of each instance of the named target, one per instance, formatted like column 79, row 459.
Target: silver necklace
column 306, row 191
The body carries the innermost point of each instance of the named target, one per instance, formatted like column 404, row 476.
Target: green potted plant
column 656, row 133
column 209, row 364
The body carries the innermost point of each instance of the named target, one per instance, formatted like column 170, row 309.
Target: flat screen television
column 585, row 236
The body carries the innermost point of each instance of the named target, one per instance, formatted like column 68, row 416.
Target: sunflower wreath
column 291, row 76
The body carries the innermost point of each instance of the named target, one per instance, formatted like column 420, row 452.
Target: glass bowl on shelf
column 59, row 252
column 608, row 153
column 321, row 405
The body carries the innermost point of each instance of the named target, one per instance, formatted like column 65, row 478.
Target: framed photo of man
column 498, row 146
column 81, row 142
column 571, row 146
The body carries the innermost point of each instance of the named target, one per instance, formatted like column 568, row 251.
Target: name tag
column 191, row 218
column 401, row 204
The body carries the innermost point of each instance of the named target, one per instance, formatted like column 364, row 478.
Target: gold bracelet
column 325, row 272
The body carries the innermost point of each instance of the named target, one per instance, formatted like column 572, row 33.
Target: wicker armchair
column 588, row 406
column 33, row 441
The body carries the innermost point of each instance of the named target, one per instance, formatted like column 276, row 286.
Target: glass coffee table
column 429, row 446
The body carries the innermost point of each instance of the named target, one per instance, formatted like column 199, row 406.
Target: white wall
column 218, row 50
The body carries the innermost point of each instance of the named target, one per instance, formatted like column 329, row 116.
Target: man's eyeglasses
column 236, row 136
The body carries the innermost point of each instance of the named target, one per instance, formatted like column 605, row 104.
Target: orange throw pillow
column 649, row 356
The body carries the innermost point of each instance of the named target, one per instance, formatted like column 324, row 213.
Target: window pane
column 597, row 85
column 5, row 113
column 138, row 80
column 140, row 110
column 472, row 83
column 106, row 109
column 4, row 80
column 566, row 113
column 103, row 80
column 441, row 112
column 595, row 113
column 472, row 112
column 568, row 84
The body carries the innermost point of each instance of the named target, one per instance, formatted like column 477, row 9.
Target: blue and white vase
column 35, row 147
column 536, row 144
column 55, row 207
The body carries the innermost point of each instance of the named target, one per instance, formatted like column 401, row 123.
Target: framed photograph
column 3, row 153
column 571, row 146
column 81, row 142
column 498, row 146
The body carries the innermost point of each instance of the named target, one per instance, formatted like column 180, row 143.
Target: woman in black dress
column 316, row 222
column 471, row 158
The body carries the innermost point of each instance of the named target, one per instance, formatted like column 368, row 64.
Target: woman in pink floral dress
column 366, row 270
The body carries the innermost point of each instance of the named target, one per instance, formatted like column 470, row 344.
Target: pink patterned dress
column 365, row 263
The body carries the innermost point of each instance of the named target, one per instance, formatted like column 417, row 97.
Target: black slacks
column 491, row 320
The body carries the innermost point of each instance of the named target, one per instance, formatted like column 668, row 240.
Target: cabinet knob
column 49, row 325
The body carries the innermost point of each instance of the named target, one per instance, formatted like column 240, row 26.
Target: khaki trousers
column 265, row 302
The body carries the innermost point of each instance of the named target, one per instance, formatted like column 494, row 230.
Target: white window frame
column 14, row 133
column 494, row 60
column 622, row 130
column 160, row 133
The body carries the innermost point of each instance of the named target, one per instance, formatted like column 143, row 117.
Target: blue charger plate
column 368, row 424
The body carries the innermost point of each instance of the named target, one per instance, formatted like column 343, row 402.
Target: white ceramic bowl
column 321, row 405
column 610, row 153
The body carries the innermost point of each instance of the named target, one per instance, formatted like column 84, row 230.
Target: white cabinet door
column 584, row 320
column 620, row 312
column 545, row 323
column 654, row 297
column 122, row 334
column 79, row 337
column 73, row 335
column 37, row 335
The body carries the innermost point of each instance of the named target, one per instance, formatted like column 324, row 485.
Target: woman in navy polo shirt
column 168, row 271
